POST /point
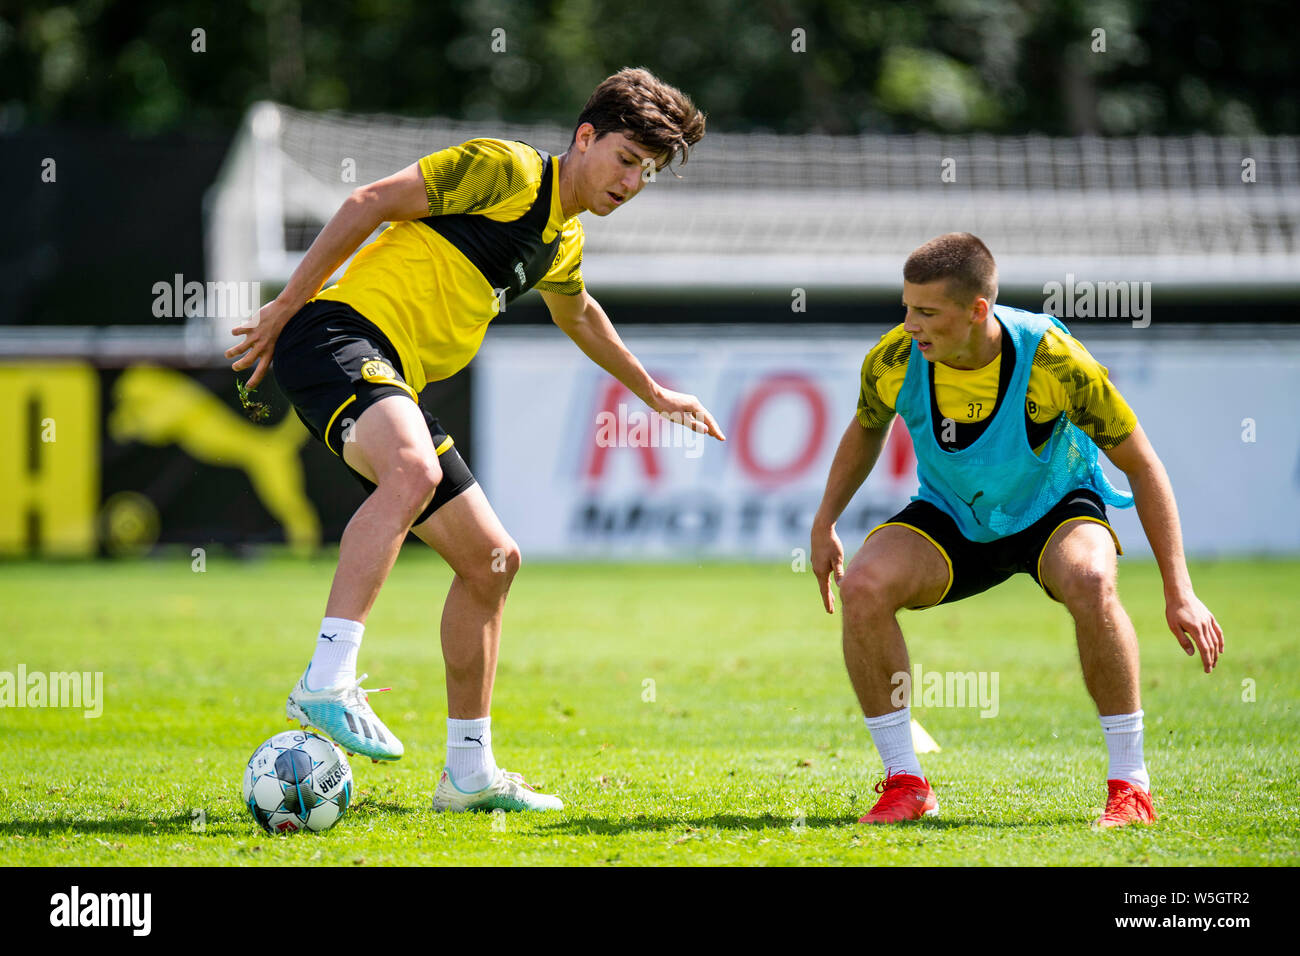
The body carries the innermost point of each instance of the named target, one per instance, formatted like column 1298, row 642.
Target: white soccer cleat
column 344, row 713
column 507, row 791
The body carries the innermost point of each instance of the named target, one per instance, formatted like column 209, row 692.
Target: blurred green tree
column 1113, row 67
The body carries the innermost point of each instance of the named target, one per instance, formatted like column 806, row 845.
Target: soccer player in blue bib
column 1007, row 412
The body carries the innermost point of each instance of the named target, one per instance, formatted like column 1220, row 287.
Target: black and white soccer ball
column 297, row 780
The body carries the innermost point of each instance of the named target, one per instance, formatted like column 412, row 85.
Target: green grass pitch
column 752, row 750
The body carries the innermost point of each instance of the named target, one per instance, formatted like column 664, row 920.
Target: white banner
column 577, row 466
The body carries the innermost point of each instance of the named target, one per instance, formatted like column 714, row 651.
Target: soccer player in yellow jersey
column 1007, row 413
column 473, row 227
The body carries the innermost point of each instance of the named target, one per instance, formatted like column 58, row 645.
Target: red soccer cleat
column 1126, row 804
column 902, row 797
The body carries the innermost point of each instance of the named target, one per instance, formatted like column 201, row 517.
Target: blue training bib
column 997, row 485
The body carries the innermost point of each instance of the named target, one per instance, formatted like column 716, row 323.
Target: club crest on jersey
column 377, row 370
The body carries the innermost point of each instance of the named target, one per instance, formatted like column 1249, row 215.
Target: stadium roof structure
column 765, row 212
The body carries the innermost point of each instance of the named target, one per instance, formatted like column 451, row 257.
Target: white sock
column 469, row 753
column 1124, row 741
column 335, row 658
column 892, row 735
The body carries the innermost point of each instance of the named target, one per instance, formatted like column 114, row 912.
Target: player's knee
column 867, row 592
column 491, row 582
column 1087, row 587
column 507, row 560
column 415, row 482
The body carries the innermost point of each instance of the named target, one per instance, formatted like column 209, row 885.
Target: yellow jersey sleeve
column 1066, row 379
column 883, row 371
column 491, row 177
column 565, row 275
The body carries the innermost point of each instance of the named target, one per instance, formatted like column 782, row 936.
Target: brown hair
column 647, row 110
column 959, row 258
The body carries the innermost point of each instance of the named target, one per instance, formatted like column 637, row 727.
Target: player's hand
column 686, row 410
column 827, row 559
column 1195, row 628
column 259, row 342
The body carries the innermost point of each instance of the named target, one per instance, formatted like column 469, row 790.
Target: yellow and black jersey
column 494, row 230
column 1064, row 380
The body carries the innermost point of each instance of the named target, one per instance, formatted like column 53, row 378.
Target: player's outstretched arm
column 582, row 319
column 399, row 197
column 1189, row 620
column 854, row 459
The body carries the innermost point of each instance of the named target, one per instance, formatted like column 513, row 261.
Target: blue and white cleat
column 343, row 712
column 507, row 791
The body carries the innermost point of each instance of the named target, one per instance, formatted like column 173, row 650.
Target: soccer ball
column 297, row 780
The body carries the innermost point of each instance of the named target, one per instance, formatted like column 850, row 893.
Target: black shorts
column 974, row 567
column 332, row 364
